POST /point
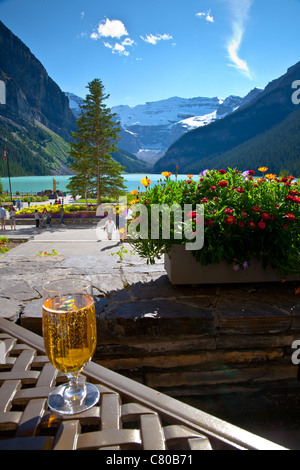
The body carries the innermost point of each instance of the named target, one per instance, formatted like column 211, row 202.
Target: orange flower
column 133, row 192
column 166, row 174
column 145, row 182
column 270, row 176
column 263, row 169
column 190, row 176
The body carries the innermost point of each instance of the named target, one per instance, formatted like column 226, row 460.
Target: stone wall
column 218, row 347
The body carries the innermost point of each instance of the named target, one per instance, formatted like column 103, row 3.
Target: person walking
column 2, row 217
column 37, row 219
column 61, row 213
column 12, row 216
column 109, row 227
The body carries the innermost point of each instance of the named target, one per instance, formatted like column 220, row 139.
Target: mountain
column 238, row 139
column 151, row 128
column 35, row 118
column 36, row 121
column 125, row 157
column 30, row 93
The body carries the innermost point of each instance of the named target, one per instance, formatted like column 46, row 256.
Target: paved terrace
column 226, row 349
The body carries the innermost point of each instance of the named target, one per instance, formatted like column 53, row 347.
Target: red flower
column 251, row 172
column 222, row 172
column 290, row 217
column 209, row 223
column 212, row 188
column 230, row 220
column 265, row 215
column 256, row 209
column 295, row 199
column 244, row 214
column 223, row 184
column 191, row 215
column 204, row 200
column 262, row 225
column 294, row 193
column 251, row 224
column 228, row 211
column 240, row 190
column 241, row 224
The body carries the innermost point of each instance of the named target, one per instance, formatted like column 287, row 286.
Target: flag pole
column 8, row 171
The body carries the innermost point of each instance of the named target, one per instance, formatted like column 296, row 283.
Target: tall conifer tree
column 92, row 146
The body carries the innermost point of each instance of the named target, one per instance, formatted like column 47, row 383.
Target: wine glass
column 69, row 330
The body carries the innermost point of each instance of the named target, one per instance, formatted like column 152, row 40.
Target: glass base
column 78, row 403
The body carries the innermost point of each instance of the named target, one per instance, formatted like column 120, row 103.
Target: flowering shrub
column 3, row 245
column 70, row 210
column 245, row 217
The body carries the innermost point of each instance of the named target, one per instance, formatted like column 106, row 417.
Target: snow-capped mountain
column 74, row 101
column 149, row 129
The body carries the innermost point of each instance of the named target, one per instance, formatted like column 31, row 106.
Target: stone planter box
column 182, row 268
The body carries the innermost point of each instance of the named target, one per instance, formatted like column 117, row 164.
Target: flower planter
column 182, row 268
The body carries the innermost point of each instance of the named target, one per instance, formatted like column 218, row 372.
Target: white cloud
column 154, row 39
column 119, row 48
column 111, row 28
column 240, row 14
column 128, row 42
column 207, row 15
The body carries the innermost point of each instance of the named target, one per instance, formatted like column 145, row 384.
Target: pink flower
column 230, row 220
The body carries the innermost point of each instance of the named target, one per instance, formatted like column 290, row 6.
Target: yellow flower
column 145, row 182
column 270, row 176
column 166, row 174
column 190, row 176
column 133, row 192
column 263, row 169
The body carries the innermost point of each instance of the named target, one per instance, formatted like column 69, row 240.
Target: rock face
column 30, row 93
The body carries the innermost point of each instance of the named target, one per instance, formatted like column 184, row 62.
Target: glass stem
column 74, row 392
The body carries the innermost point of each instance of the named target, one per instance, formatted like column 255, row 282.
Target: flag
column 5, row 153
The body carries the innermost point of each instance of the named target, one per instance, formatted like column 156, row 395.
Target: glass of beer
column 69, row 330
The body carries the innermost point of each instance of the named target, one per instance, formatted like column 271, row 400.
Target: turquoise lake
column 35, row 184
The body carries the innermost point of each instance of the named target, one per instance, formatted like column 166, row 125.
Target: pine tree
column 92, row 146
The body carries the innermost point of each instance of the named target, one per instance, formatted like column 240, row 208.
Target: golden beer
column 69, row 330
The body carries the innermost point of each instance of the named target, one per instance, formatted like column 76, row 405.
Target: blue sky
column 148, row 50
